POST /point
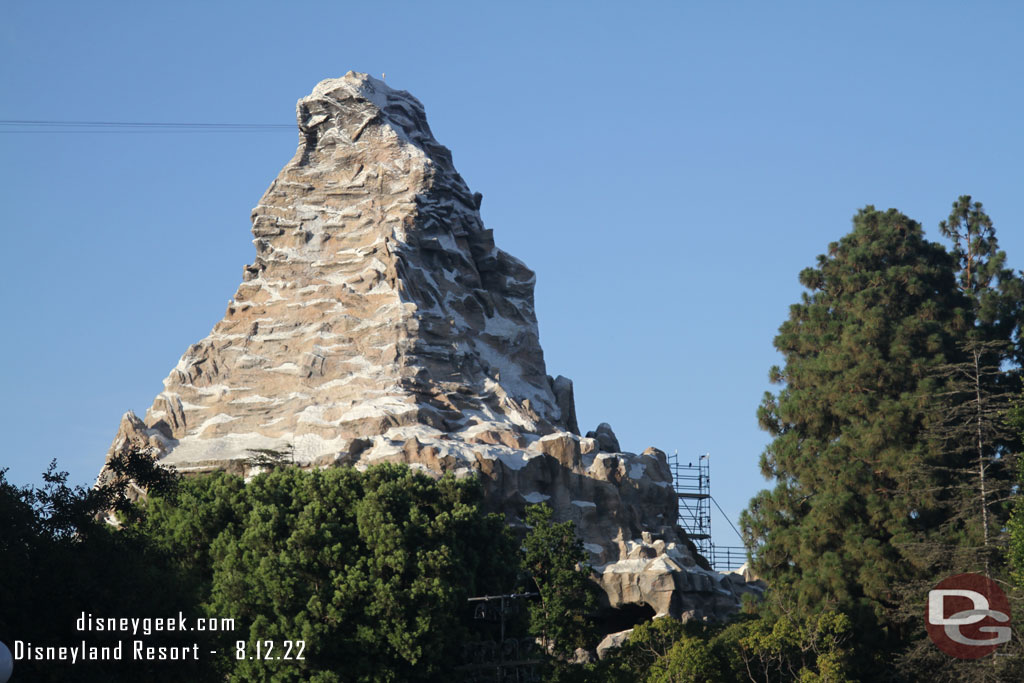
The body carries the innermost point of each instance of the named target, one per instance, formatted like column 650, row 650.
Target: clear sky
column 667, row 169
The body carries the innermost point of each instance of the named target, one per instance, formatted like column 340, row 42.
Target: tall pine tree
column 978, row 389
column 995, row 291
column 975, row 445
column 849, row 423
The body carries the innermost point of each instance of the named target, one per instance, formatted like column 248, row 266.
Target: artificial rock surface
column 379, row 322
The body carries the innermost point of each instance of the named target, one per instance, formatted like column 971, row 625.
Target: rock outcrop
column 379, row 322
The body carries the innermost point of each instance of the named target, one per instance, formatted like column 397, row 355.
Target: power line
column 738, row 534
column 55, row 126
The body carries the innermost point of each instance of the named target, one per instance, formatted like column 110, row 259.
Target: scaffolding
column 692, row 484
column 693, row 491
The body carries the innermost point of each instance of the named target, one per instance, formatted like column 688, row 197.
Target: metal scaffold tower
column 693, row 491
column 692, row 483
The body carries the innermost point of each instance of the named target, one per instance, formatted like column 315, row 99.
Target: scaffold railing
column 727, row 558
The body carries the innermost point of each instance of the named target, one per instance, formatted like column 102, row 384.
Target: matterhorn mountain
column 379, row 322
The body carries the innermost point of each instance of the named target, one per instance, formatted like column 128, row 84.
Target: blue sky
column 667, row 169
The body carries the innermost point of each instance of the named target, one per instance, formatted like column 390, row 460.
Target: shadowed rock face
column 379, row 322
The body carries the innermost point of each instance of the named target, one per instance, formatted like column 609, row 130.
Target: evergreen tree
column 860, row 349
column 975, row 445
column 1015, row 527
column 996, row 293
column 980, row 386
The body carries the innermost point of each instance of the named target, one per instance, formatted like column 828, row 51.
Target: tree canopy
column 848, row 423
column 885, row 424
column 371, row 570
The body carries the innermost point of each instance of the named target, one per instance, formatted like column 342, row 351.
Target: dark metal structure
column 692, row 483
column 504, row 660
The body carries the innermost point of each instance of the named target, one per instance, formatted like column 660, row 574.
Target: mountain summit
column 379, row 322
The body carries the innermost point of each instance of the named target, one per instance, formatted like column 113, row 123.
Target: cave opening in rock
column 615, row 619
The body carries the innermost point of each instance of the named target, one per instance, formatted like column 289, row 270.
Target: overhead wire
column 738, row 534
column 56, row 126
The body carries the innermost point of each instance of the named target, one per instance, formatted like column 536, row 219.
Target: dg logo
column 968, row 616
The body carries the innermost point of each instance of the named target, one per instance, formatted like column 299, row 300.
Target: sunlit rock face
column 379, row 322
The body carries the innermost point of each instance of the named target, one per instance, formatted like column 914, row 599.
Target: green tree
column 270, row 458
column 1015, row 526
column 184, row 523
column 976, row 444
column 664, row 649
column 371, row 570
column 809, row 648
column 755, row 647
column 555, row 560
column 972, row 471
column 58, row 561
column 848, row 424
column 980, row 386
column 995, row 292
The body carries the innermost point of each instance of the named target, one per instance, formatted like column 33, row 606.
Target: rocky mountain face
column 379, row 322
